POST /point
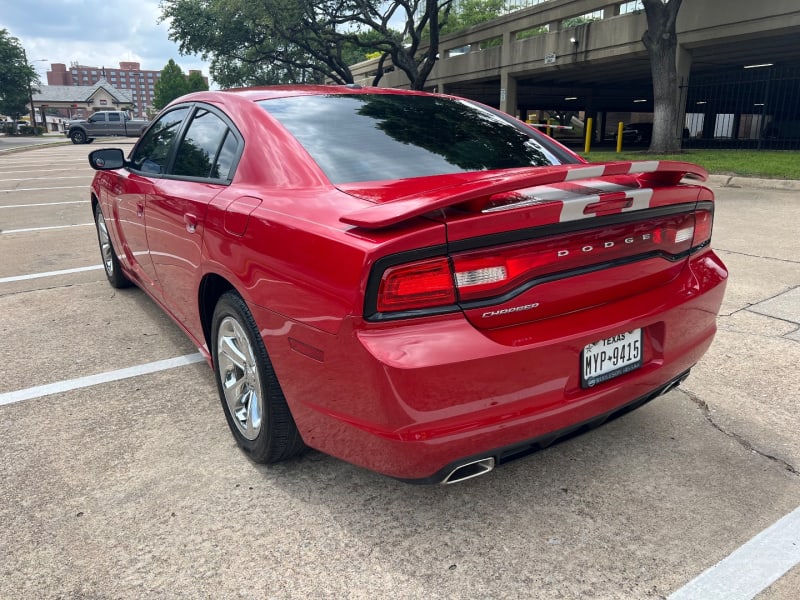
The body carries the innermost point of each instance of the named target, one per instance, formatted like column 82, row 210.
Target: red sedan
column 414, row 283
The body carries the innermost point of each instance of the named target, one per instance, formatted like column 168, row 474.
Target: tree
column 171, row 85
column 195, row 82
column 17, row 77
column 661, row 42
column 300, row 41
column 467, row 13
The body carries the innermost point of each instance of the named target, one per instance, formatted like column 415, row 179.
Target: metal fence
column 756, row 107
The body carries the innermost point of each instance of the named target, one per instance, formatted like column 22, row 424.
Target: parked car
column 417, row 284
column 642, row 133
column 105, row 123
column 637, row 133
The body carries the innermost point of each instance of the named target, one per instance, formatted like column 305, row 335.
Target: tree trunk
column 661, row 42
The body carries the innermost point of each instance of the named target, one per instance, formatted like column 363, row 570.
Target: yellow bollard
column 549, row 121
column 588, row 145
column 620, row 126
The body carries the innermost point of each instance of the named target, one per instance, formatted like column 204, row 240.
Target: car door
column 96, row 124
column 115, row 125
column 128, row 206
column 201, row 168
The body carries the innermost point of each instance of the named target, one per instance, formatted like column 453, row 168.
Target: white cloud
column 95, row 33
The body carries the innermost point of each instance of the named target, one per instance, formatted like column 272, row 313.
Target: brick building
column 140, row 83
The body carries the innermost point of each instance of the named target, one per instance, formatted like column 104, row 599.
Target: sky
column 93, row 32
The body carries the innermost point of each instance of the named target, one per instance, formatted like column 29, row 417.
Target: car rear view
column 554, row 295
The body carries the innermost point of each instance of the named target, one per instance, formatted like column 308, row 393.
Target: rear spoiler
column 655, row 172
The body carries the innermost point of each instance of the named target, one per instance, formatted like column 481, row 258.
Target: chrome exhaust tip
column 469, row 470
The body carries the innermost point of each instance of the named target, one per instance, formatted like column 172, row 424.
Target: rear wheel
column 114, row 273
column 251, row 396
column 78, row 137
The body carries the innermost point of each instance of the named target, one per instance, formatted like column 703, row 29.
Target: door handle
column 191, row 222
column 139, row 210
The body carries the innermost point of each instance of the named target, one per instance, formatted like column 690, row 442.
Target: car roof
column 255, row 94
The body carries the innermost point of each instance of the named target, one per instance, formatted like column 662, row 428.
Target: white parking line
column 90, row 380
column 48, row 274
column 48, row 178
column 29, row 229
column 65, row 187
column 752, row 568
column 44, row 204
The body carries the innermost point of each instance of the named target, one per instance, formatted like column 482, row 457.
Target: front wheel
column 78, row 137
column 114, row 274
column 254, row 404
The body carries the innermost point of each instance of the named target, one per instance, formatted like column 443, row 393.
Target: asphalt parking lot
column 120, row 478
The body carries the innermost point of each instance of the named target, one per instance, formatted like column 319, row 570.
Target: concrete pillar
column 508, row 93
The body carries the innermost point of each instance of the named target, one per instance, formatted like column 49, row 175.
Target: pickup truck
column 104, row 123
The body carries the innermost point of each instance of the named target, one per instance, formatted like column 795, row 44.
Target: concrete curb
column 736, row 181
column 15, row 149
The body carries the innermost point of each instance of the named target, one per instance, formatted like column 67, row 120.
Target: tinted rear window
column 367, row 137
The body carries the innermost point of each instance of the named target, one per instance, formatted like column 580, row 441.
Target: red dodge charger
column 414, row 283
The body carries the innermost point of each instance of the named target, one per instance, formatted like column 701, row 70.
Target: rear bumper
column 413, row 400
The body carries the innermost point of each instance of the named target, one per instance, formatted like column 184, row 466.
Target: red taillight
column 489, row 273
column 704, row 222
column 476, row 275
column 424, row 284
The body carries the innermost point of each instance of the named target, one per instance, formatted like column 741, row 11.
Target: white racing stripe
column 90, row 380
column 752, row 568
column 48, row 274
column 29, row 229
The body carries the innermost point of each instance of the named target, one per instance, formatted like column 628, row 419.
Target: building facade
column 139, row 83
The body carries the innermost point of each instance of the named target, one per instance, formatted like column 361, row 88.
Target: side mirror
column 107, row 159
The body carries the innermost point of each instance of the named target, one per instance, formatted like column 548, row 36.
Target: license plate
column 611, row 357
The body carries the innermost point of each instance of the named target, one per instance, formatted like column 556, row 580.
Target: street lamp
column 30, row 95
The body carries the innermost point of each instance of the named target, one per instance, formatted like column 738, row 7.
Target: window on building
column 629, row 7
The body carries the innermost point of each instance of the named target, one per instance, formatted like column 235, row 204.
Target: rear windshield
column 367, row 137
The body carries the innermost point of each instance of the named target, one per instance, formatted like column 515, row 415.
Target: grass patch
column 771, row 164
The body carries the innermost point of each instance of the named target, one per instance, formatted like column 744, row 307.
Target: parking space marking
column 65, row 187
column 44, row 204
column 48, row 178
column 752, row 568
column 29, row 229
column 48, row 274
column 90, row 380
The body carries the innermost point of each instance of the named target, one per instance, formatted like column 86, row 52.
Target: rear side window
column 203, row 146
column 152, row 152
column 366, row 137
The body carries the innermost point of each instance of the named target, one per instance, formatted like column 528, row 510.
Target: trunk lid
column 529, row 244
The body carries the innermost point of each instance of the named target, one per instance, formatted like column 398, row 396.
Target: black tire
column 78, row 136
column 114, row 273
column 251, row 397
column 89, row 140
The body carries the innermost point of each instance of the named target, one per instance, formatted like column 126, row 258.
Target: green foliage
column 778, row 164
column 303, row 41
column 195, row 82
column 467, row 13
column 575, row 21
column 16, row 75
column 171, row 85
column 531, row 32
